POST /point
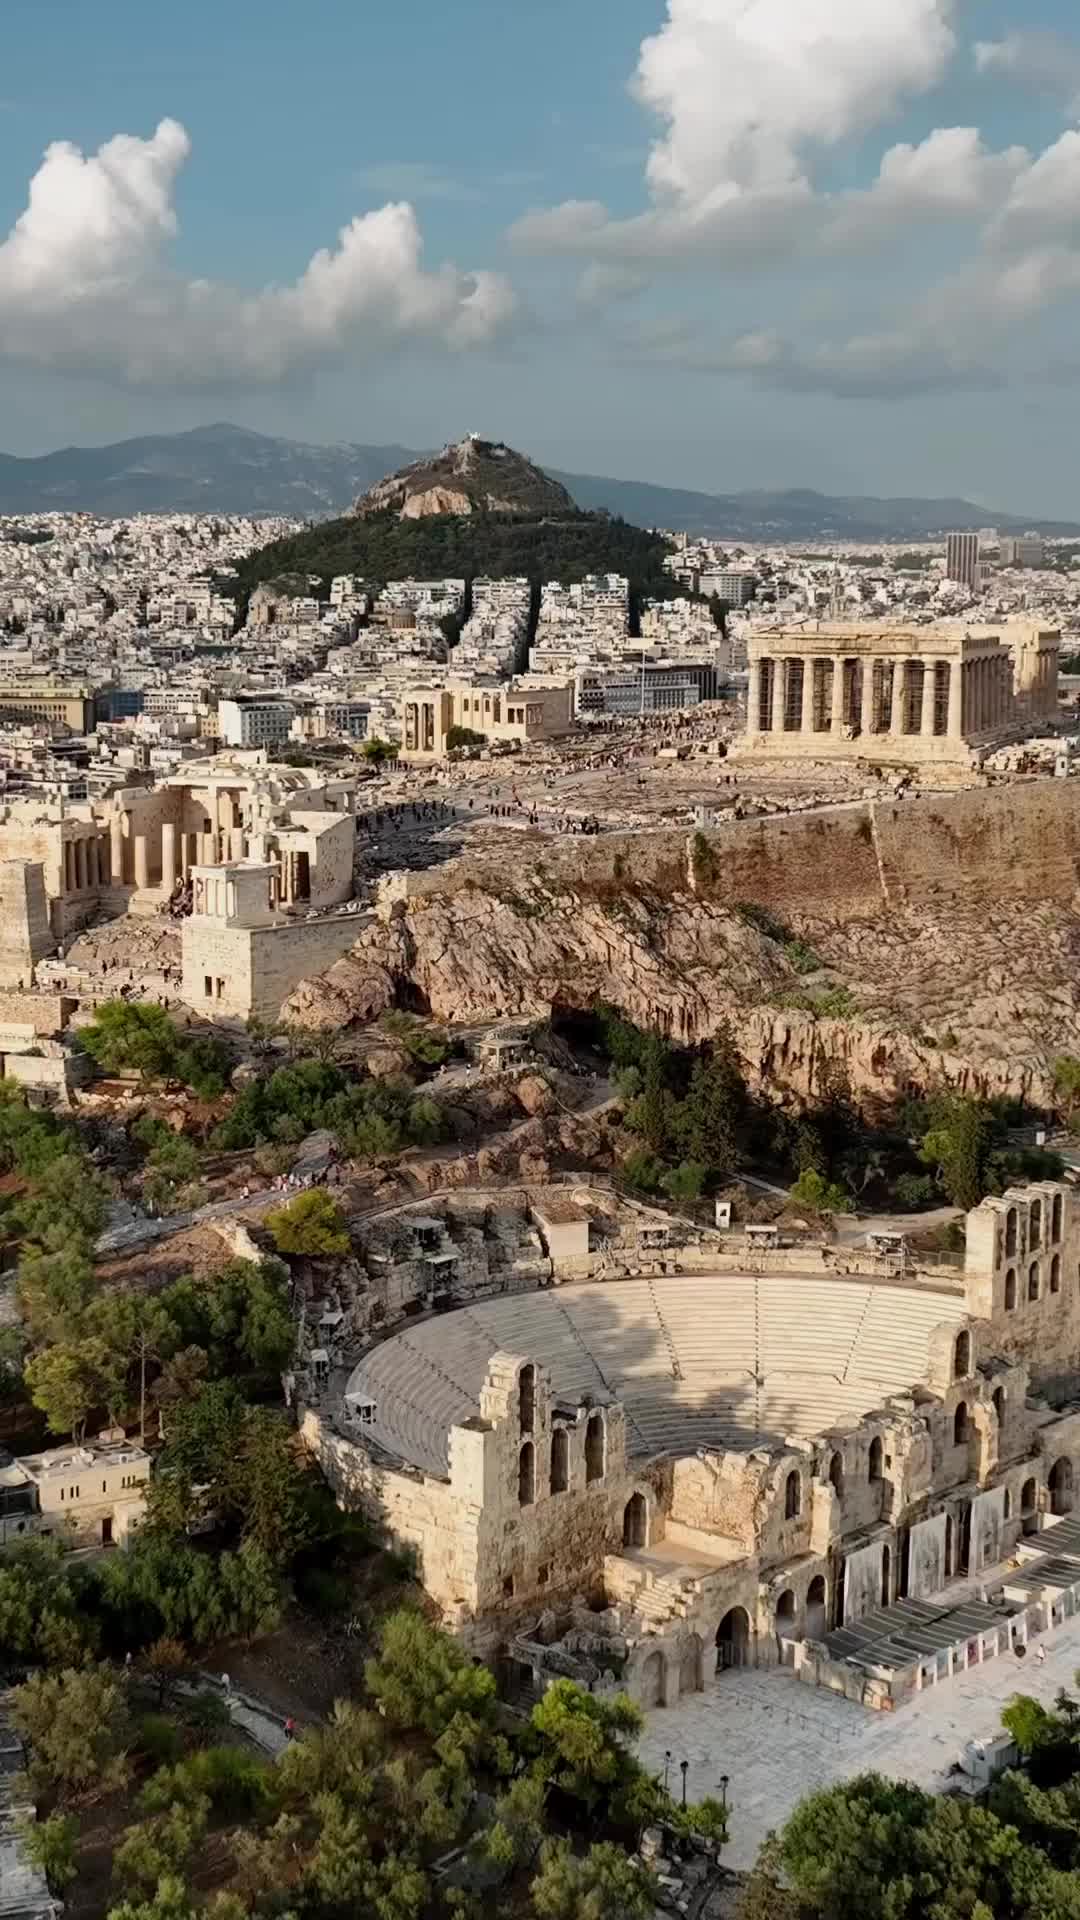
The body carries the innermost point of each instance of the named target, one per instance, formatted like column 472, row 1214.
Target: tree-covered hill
column 383, row 547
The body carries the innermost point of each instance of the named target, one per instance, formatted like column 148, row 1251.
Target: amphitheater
column 828, row 1471
column 722, row 1362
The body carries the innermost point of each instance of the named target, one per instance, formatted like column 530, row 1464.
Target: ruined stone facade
column 699, row 1532
column 241, row 955
column 895, row 694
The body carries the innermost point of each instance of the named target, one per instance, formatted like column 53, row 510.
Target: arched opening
column 785, row 1614
column 652, row 1680
column 1060, row 1485
column 817, row 1601
column 1033, row 1280
column 962, row 1356
column 1006, row 1509
column 886, row 1576
column 526, row 1475
column 960, row 1425
column 836, row 1474
column 594, row 1448
column 948, row 1546
column 1055, row 1274
column 1029, row 1508
column 635, row 1522
column 876, row 1455
column 792, row 1496
column 1010, row 1290
column 733, row 1640
column 1056, row 1218
column 692, row 1666
column 999, row 1405
column 527, row 1398
column 1010, row 1233
column 1035, row 1225
column 560, row 1460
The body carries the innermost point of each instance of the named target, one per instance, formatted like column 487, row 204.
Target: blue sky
column 716, row 243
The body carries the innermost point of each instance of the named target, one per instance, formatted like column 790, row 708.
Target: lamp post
column 684, row 1768
column 667, row 1766
column 723, row 1785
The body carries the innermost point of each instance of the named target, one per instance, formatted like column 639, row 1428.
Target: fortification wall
column 1020, row 841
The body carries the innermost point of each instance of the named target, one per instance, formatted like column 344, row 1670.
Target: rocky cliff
column 903, row 999
column 470, row 476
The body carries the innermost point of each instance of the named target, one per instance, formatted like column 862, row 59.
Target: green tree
column 312, row 1224
column 422, row 1679
column 137, row 1333
column 153, row 1849
column 76, row 1724
column 43, row 1615
column 654, row 1112
column 69, row 1203
column 378, row 750
column 50, row 1846
column 458, row 738
column 686, row 1183
column 957, row 1145
column 603, row 1884
column 54, row 1290
column 67, row 1382
column 583, row 1746
column 714, row 1111
column 1067, row 1086
column 812, row 1190
column 131, row 1035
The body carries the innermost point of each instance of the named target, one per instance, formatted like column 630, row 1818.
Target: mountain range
column 227, row 469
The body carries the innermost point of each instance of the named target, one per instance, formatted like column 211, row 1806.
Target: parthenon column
column 956, row 698
column 142, row 864
column 896, row 697
column 168, row 855
column 808, row 695
column 777, row 696
column 80, row 866
column 838, row 696
column 116, row 850
column 926, row 720
column 867, row 707
column 753, row 699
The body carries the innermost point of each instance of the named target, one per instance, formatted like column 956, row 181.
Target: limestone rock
column 534, row 1094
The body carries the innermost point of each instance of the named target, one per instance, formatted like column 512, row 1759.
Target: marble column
column 753, row 699
column 236, row 843
column 808, row 695
column 168, row 855
column 896, row 698
column 867, row 707
column 208, row 850
column 956, row 698
column 778, row 696
column 838, row 696
column 926, row 720
column 80, row 866
column 116, row 850
column 142, row 863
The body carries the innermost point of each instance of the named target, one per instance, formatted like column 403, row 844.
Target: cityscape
column 539, row 1014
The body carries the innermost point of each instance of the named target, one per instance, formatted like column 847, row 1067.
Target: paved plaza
column 778, row 1739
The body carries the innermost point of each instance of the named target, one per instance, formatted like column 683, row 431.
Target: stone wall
column 1020, row 842
column 258, row 966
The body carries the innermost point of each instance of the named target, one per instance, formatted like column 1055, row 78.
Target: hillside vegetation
column 381, row 547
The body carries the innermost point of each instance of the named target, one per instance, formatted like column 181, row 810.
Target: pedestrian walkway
column 778, row 1739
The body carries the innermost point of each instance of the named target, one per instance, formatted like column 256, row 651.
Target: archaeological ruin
column 731, row 1451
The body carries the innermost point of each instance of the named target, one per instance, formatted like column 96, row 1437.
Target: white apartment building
column 253, row 722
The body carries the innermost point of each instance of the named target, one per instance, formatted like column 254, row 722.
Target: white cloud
column 746, row 85
column 949, row 175
column 85, row 281
column 1046, row 62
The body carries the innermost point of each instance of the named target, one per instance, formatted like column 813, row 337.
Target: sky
column 719, row 244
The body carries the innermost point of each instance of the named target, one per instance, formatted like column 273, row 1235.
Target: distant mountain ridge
column 226, row 469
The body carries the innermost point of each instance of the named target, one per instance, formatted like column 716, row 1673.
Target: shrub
column 812, row 1190
column 312, row 1224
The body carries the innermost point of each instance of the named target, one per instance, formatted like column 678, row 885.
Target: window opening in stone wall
column 1010, row 1290
column 594, row 1448
column 560, row 1460
column 874, row 1465
column 792, row 1497
column 525, row 1475
column 527, row 1397
column 962, row 1356
column 960, row 1425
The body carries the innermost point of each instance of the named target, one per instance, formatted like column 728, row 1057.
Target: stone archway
column 785, row 1614
column 1059, row 1483
column 733, row 1640
column 635, row 1525
column 817, row 1620
column 653, row 1675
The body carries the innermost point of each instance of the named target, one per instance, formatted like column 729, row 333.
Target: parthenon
column 896, row 693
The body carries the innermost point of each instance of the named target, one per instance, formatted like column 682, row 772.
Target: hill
column 470, row 476
column 384, row 546
column 225, row 469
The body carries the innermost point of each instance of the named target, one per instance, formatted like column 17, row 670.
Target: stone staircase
column 657, row 1598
